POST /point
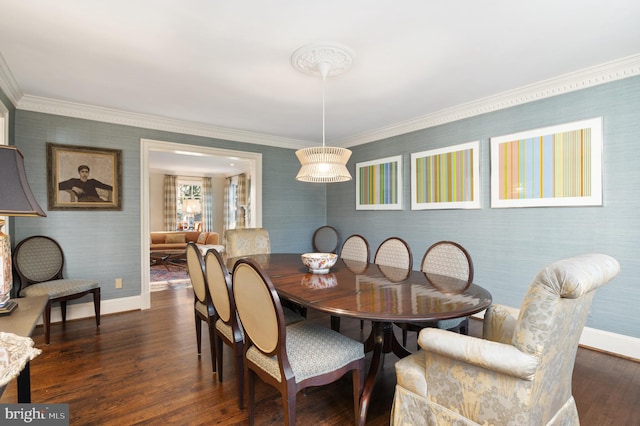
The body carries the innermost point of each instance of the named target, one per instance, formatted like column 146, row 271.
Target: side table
column 22, row 322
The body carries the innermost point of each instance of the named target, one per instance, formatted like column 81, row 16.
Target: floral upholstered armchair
column 520, row 372
column 246, row 241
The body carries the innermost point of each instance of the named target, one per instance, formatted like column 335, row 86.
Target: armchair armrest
column 494, row 356
column 499, row 323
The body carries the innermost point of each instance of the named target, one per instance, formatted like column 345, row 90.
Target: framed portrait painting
column 446, row 178
column 552, row 166
column 83, row 178
column 379, row 184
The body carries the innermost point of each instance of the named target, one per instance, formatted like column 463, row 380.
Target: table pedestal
column 381, row 341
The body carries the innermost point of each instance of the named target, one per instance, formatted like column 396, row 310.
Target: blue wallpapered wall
column 106, row 244
column 509, row 246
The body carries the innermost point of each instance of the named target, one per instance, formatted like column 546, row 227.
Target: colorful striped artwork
column 553, row 166
column 379, row 184
column 549, row 166
column 446, row 178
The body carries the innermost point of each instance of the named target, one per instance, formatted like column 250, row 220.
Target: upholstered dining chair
column 519, row 372
column 325, row 239
column 355, row 247
column 246, row 241
column 394, row 252
column 202, row 304
column 355, row 253
column 289, row 358
column 38, row 261
column 228, row 329
column 448, row 267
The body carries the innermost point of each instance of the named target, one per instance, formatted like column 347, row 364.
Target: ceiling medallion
column 307, row 58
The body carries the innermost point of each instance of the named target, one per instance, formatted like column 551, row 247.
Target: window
column 189, row 204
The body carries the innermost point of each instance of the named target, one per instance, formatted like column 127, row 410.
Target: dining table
column 381, row 294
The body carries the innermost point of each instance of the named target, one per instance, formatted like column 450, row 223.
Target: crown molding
column 107, row 115
column 588, row 77
column 8, row 84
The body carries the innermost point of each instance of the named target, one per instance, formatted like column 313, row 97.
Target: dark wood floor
column 142, row 368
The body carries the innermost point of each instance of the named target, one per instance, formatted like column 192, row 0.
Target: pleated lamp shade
column 323, row 164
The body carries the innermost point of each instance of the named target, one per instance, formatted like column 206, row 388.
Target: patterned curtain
column 207, row 205
column 170, row 204
column 241, row 207
column 227, row 210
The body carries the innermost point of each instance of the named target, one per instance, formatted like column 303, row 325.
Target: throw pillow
column 202, row 238
column 175, row 238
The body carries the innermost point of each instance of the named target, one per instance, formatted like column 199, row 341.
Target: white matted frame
column 551, row 166
column 379, row 184
column 446, row 178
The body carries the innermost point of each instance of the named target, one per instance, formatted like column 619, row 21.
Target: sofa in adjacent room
column 162, row 241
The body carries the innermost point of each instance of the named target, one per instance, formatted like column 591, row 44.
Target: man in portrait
column 85, row 189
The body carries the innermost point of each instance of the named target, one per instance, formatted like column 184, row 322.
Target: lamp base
column 8, row 307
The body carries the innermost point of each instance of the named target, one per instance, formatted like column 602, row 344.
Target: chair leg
column 198, row 333
column 63, row 310
column 239, row 374
column 404, row 338
column 219, row 348
column 289, row 405
column 96, row 305
column 212, row 345
column 46, row 321
column 250, row 378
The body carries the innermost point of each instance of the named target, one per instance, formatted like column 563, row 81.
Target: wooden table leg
column 380, row 341
column 24, row 385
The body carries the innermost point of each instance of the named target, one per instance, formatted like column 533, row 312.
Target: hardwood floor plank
column 142, row 368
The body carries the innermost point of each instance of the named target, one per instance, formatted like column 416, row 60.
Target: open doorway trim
column 148, row 145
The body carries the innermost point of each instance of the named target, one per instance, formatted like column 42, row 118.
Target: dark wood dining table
column 380, row 294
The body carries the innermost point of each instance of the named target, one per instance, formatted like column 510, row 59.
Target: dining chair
column 246, row 241
column 520, row 371
column 202, row 305
column 227, row 328
column 288, row 357
column 394, row 252
column 325, row 239
column 354, row 249
column 449, row 268
column 38, row 261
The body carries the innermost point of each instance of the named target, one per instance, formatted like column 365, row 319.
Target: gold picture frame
column 83, row 178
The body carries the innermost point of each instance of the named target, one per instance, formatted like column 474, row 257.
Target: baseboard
column 605, row 341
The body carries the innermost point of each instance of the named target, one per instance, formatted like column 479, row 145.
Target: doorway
column 147, row 147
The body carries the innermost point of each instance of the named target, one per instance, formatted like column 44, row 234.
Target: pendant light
column 325, row 164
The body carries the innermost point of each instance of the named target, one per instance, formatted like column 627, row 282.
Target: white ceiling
column 226, row 65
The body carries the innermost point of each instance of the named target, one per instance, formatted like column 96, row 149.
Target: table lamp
column 16, row 199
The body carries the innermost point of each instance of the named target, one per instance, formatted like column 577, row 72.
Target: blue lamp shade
column 16, row 198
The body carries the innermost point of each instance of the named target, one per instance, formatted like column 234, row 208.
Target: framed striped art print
column 552, row 166
column 379, row 184
column 446, row 178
